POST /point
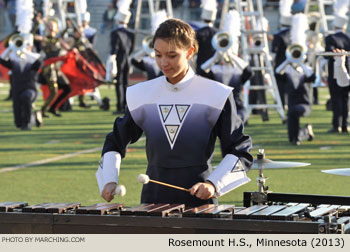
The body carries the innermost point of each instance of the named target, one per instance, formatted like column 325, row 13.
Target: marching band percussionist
column 181, row 115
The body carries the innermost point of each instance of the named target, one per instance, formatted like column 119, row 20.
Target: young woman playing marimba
column 181, row 115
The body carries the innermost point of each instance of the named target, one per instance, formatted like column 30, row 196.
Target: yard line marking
column 49, row 160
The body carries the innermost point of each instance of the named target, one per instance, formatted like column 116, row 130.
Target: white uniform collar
column 186, row 81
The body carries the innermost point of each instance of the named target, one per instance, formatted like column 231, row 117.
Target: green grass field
column 73, row 179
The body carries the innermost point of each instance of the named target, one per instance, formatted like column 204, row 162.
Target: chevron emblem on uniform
column 172, row 131
column 172, row 119
column 181, row 111
column 165, row 111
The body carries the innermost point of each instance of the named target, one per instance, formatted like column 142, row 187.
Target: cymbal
column 340, row 171
column 269, row 164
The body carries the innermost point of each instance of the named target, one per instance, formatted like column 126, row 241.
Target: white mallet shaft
column 144, row 179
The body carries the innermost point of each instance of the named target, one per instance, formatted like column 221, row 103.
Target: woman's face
column 172, row 60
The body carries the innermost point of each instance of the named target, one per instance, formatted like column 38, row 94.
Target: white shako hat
column 209, row 10
column 158, row 18
column 123, row 14
column 285, row 12
column 340, row 8
column 85, row 17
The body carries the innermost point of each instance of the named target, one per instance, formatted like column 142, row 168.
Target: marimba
column 299, row 214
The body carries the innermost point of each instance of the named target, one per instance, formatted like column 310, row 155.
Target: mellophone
column 299, row 214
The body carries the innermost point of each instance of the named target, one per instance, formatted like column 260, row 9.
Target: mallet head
column 143, row 178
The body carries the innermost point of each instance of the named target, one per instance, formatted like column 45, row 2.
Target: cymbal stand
column 260, row 196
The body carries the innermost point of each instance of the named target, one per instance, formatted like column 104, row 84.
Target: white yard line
column 49, row 160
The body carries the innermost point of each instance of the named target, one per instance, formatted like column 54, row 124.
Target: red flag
column 3, row 70
column 83, row 76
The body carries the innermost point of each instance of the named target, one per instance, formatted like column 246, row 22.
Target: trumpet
column 332, row 53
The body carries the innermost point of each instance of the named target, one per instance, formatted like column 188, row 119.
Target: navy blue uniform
column 281, row 40
column 204, row 36
column 122, row 43
column 339, row 95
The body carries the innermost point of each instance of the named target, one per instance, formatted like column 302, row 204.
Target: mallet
column 120, row 190
column 144, row 179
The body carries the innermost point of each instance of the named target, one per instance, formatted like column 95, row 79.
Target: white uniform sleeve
column 228, row 175
column 108, row 169
column 340, row 72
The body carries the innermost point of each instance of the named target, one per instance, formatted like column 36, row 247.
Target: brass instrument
column 295, row 53
column 222, row 41
column 258, row 41
column 17, row 43
column 146, row 44
column 146, row 49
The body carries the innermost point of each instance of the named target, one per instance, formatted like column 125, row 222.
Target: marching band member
column 51, row 75
column 122, row 44
column 299, row 86
column 204, row 36
column 24, row 66
column 181, row 115
column 339, row 95
column 144, row 59
column 258, row 79
column 89, row 34
column 280, row 42
column 230, row 73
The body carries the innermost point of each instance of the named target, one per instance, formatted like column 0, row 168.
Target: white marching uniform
column 181, row 123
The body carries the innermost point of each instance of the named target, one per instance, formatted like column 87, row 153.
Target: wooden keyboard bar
column 85, row 209
column 8, row 206
column 32, row 208
column 62, row 207
column 148, row 209
column 104, row 209
column 131, row 211
column 51, row 207
column 167, row 209
column 192, row 212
